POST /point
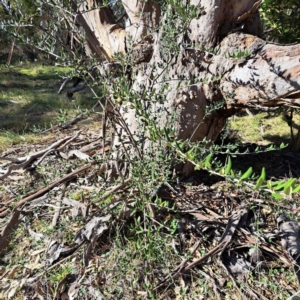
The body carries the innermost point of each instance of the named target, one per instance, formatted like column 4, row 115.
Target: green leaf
column 277, row 196
column 232, row 173
column 259, row 183
column 282, row 145
column 263, row 174
column 261, row 179
column 229, row 165
column 296, row 189
column 207, row 161
column 291, row 182
column 247, row 174
column 178, row 145
column 269, row 185
column 288, row 190
column 199, row 166
column 222, row 171
column 190, row 155
column 279, row 186
column 167, row 134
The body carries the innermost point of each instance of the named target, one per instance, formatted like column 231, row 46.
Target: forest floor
column 67, row 233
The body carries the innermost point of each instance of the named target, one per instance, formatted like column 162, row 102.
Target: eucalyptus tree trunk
column 204, row 68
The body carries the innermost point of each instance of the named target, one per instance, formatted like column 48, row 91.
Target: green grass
column 275, row 129
column 29, row 102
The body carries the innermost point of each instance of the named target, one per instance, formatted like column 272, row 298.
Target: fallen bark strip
column 33, row 279
column 233, row 224
column 36, row 154
column 184, row 262
column 58, row 203
column 43, row 191
column 63, row 85
column 3, row 213
column 7, row 233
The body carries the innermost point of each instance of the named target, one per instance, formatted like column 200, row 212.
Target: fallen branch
column 43, row 191
column 78, row 88
column 24, row 162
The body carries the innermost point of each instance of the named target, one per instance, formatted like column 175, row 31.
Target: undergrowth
column 130, row 226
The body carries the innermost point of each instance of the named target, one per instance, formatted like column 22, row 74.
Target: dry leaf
column 96, row 226
column 35, row 235
column 33, row 266
column 79, row 154
column 76, row 206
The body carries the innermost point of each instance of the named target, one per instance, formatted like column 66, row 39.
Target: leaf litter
column 69, row 236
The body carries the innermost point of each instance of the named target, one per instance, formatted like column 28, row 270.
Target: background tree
column 281, row 20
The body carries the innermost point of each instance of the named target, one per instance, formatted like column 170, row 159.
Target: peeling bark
column 104, row 37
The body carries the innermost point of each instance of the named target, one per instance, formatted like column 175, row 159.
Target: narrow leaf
column 207, row 161
column 269, row 185
column 263, row 174
column 259, row 183
column 286, row 184
column 288, row 190
column 167, row 134
column 296, row 189
column 290, row 183
column 283, row 145
column 199, row 166
column 277, row 196
column 178, row 145
column 247, row 174
column 229, row 165
column 261, row 179
column 190, row 155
